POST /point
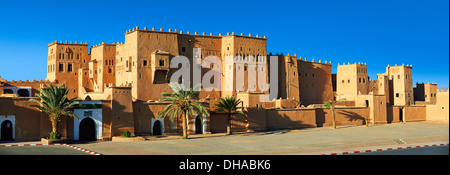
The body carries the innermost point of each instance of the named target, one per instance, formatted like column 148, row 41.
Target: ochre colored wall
column 440, row 111
column 344, row 116
column 122, row 111
column 415, row 113
column 219, row 123
column 290, row 118
column 27, row 120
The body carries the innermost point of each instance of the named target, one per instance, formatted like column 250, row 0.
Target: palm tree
column 330, row 105
column 229, row 106
column 181, row 103
column 54, row 102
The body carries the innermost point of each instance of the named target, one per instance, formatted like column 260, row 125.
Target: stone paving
column 301, row 141
column 313, row 141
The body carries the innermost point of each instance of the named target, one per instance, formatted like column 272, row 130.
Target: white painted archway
column 161, row 121
column 16, row 89
column 11, row 118
column 93, row 113
column 203, row 123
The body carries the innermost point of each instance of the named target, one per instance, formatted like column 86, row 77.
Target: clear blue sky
column 379, row 32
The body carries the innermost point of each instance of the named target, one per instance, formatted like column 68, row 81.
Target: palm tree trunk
column 229, row 124
column 54, row 124
column 334, row 118
column 185, row 118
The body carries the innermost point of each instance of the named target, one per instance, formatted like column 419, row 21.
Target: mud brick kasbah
column 124, row 81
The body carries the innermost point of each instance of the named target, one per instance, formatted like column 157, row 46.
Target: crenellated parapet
column 300, row 58
column 176, row 31
column 68, row 43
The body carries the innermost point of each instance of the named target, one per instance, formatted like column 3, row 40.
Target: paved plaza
column 285, row 142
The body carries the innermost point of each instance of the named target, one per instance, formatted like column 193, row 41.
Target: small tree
column 54, row 102
column 181, row 103
column 229, row 106
column 330, row 105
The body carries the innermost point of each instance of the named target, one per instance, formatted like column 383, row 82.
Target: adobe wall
column 33, row 84
column 344, row 116
column 415, row 113
column 344, row 103
column 122, row 111
column 144, row 112
column 107, row 120
column 316, row 87
column 27, row 120
column 379, row 110
column 439, row 112
column 257, row 119
column 290, row 118
column 306, row 81
column 393, row 114
column 218, row 123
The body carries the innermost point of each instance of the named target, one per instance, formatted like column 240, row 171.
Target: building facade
column 119, row 87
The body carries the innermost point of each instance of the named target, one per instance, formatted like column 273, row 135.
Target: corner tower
column 64, row 60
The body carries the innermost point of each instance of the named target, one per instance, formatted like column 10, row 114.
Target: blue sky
column 377, row 32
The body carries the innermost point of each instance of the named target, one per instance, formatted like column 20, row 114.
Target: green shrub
column 54, row 136
column 126, row 134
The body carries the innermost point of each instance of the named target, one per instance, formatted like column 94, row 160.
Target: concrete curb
column 64, row 144
column 82, row 149
column 38, row 144
column 385, row 149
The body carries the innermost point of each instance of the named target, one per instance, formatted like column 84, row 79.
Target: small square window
column 145, row 62
column 397, row 95
column 69, row 67
column 61, row 67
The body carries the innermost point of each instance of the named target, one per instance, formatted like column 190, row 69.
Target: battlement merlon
column 403, row 65
column 105, row 44
column 354, row 64
column 294, row 57
column 170, row 31
column 428, row 83
column 67, row 43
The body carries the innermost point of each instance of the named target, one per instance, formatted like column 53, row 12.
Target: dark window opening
column 69, row 67
column 61, row 67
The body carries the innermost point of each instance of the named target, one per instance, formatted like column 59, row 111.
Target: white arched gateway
column 7, row 127
column 87, row 112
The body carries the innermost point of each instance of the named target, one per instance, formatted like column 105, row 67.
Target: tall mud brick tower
column 64, row 60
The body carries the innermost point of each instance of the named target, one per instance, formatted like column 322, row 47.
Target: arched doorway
column 198, row 125
column 156, row 128
column 7, row 130
column 23, row 93
column 87, row 130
